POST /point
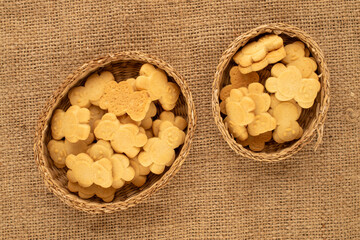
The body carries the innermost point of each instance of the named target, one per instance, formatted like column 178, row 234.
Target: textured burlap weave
column 216, row 194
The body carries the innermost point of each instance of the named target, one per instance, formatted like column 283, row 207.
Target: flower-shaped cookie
column 83, row 96
column 72, row 124
column 262, row 123
column 257, row 55
column 106, row 194
column 155, row 81
column 171, row 134
column 100, row 149
column 238, row 131
column 238, row 80
column 120, row 98
column 59, row 150
column 122, row 171
column 124, row 138
column 141, row 172
column 256, row 143
column 239, row 107
column 177, row 121
column 83, row 170
column 287, row 83
column 156, row 155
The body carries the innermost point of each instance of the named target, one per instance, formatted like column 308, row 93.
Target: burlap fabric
column 216, row 194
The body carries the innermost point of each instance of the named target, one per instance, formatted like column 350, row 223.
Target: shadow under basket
column 123, row 65
column 311, row 120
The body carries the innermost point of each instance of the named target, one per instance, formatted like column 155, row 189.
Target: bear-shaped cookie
column 120, row 98
column 72, row 124
column 155, row 81
column 156, row 155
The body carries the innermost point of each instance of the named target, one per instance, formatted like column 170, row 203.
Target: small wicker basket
column 123, row 65
column 312, row 120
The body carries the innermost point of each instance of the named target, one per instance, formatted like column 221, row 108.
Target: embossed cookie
column 294, row 51
column 83, row 170
column 262, row 123
column 256, row 143
column 171, row 134
column 100, row 149
column 72, row 124
column 59, row 150
column 83, row 96
column 287, row 83
column 298, row 56
column 156, row 155
column 105, row 128
column 177, row 121
column 238, row 80
column 287, row 132
column 124, row 138
column 155, row 81
column 120, row 98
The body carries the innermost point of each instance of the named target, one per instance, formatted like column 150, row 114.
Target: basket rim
column 316, row 126
column 46, row 114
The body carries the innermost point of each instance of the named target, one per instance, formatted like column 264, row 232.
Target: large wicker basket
column 123, row 65
column 312, row 120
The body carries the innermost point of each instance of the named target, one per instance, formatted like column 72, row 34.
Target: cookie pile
column 109, row 136
column 257, row 113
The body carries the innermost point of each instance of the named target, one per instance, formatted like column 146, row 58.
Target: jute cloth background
column 216, row 194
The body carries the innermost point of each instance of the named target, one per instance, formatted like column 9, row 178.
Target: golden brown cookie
column 120, row 98
column 256, row 143
column 238, row 80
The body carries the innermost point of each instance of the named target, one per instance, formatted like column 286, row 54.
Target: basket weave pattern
column 123, row 65
column 312, row 120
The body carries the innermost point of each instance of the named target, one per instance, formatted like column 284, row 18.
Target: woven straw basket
column 123, row 65
column 311, row 120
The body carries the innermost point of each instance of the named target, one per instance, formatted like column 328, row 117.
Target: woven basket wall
column 123, row 66
column 311, row 120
